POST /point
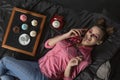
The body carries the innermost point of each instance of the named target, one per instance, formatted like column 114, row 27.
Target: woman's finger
column 74, row 33
column 75, row 62
column 77, row 32
column 79, row 58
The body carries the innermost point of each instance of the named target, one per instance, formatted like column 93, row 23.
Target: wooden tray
column 25, row 44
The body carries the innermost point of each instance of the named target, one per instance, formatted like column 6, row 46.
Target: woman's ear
column 99, row 42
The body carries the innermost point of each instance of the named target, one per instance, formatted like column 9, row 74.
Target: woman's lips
column 87, row 39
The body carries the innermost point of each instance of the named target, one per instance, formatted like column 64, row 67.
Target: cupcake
column 16, row 29
column 34, row 22
column 24, row 39
column 23, row 18
column 33, row 33
column 24, row 26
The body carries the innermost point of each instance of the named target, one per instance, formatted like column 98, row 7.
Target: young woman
column 69, row 54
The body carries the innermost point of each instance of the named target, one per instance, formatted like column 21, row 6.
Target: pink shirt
column 53, row 64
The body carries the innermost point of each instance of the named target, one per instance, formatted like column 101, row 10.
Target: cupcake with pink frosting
column 23, row 17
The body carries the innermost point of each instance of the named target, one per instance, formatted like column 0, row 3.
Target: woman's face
column 92, row 37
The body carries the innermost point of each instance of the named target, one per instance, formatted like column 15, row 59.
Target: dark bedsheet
column 73, row 19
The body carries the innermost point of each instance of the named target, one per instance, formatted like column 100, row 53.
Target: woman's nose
column 89, row 37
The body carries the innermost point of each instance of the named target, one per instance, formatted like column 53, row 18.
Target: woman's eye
column 95, row 36
column 90, row 31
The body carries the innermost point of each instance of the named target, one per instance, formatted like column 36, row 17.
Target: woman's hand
column 75, row 32
column 73, row 62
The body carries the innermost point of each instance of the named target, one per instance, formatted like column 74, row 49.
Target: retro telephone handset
column 78, row 39
column 84, row 32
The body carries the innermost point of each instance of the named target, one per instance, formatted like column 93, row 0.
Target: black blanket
column 73, row 19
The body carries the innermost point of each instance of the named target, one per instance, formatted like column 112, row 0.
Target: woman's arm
column 53, row 41
column 73, row 62
column 71, row 33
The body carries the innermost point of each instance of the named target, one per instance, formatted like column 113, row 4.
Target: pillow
column 103, row 71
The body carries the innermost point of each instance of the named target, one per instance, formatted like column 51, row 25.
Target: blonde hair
column 107, row 30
